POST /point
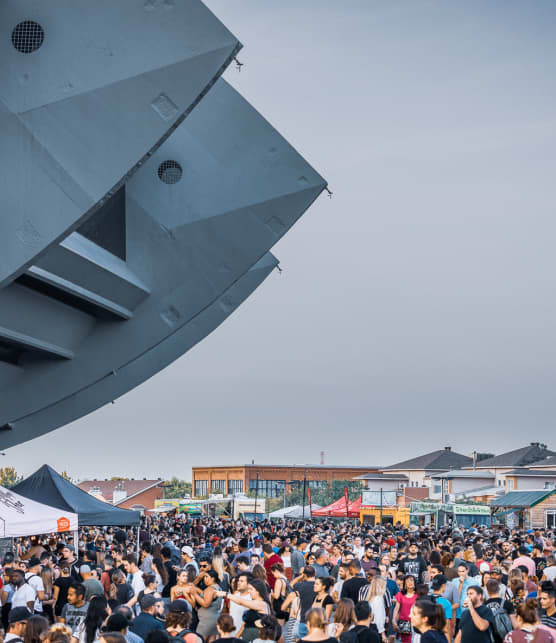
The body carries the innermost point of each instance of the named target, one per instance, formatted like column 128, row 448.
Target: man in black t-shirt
column 364, row 629
column 414, row 564
column 351, row 586
column 494, row 602
column 306, row 590
column 476, row 619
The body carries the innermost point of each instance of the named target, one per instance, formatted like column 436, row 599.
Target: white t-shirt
column 237, row 611
column 25, row 594
column 37, row 584
column 550, row 573
column 137, row 583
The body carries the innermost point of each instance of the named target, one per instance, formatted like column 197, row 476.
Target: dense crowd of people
column 211, row 580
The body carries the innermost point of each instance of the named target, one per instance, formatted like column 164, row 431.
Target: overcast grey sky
column 416, row 308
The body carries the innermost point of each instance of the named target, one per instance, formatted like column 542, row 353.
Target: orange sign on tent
column 63, row 524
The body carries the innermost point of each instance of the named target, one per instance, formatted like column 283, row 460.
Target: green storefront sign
column 433, row 507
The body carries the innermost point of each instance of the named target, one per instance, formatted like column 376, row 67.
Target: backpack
column 349, row 637
column 502, row 624
column 181, row 635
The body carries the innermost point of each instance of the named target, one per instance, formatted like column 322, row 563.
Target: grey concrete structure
column 133, row 224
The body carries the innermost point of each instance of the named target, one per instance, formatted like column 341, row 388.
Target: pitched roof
column 107, row 487
column 518, row 457
column 549, row 461
column 538, row 473
column 522, row 498
column 382, row 476
column 441, row 460
column 463, row 473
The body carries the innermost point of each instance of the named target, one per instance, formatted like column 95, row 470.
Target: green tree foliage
column 323, row 496
column 9, row 477
column 176, row 488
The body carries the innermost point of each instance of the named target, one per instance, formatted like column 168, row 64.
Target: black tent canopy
column 48, row 486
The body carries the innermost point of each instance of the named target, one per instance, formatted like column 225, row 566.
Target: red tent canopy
column 338, row 509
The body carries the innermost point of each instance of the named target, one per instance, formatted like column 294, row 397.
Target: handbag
column 404, row 627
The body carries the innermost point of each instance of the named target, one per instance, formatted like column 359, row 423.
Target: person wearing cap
column 17, row 623
column 34, row 579
column 146, row 621
column 178, row 622
column 438, row 587
column 298, row 557
column 188, row 559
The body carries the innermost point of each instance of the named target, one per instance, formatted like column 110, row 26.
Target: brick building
column 127, row 494
column 272, row 479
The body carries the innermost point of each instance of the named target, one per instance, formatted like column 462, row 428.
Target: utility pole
column 304, row 490
column 381, row 505
column 256, row 492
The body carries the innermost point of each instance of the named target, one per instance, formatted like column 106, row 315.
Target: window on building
column 499, row 483
column 549, row 485
column 268, row 488
column 201, row 487
column 235, row 486
column 510, row 484
column 437, row 488
column 317, row 484
column 218, row 486
column 550, row 518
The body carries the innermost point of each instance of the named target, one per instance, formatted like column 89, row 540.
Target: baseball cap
column 18, row 614
column 186, row 549
column 84, row 569
column 147, row 602
column 484, row 567
column 179, row 606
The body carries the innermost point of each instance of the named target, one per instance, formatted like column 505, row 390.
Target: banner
column 372, row 498
column 346, row 498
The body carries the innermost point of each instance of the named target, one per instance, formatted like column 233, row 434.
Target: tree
column 176, row 488
column 9, row 477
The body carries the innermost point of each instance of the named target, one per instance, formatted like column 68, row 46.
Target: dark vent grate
column 170, row 172
column 27, row 36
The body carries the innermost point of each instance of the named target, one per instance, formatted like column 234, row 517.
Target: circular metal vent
column 170, row 172
column 27, row 36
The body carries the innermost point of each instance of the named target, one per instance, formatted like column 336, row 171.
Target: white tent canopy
column 20, row 516
column 295, row 511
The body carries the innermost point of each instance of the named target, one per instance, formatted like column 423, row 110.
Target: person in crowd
column 226, row 629
column 269, row 629
column 528, row 629
column 146, row 621
column 75, row 610
column 429, row 620
column 208, row 603
column 178, row 622
column 89, row 629
column 322, row 587
column 17, row 624
column 476, row 619
column 256, row 606
column 344, row 618
column 24, row 595
column 317, row 627
column 547, row 601
column 404, row 601
column 364, row 628
column 36, row 627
